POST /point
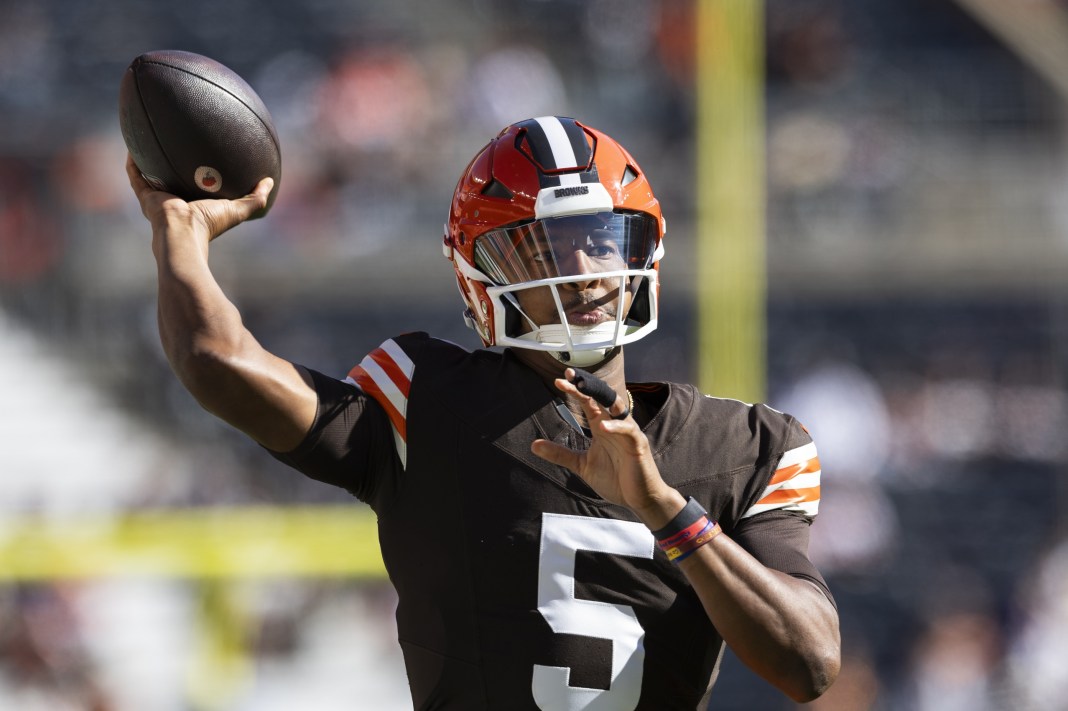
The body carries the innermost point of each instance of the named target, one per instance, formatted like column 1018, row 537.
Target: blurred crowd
column 915, row 321
column 941, row 523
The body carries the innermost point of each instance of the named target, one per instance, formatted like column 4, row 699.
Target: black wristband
column 690, row 514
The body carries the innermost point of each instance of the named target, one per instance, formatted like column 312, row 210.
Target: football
column 195, row 128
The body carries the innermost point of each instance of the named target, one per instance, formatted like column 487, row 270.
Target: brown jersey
column 519, row 587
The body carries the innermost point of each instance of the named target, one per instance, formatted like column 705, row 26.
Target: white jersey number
column 561, row 537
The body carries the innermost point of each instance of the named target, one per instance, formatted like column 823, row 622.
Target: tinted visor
column 565, row 246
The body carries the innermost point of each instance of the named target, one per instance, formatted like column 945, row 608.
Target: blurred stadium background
column 916, row 314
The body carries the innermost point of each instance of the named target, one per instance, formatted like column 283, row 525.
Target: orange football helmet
column 553, row 207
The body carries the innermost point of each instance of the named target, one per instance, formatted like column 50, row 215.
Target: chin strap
column 602, row 333
column 582, row 359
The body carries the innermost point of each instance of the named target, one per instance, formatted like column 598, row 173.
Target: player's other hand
column 208, row 218
column 619, row 465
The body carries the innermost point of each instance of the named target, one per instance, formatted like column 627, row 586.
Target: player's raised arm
column 217, row 359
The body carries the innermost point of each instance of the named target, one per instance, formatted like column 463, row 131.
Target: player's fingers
column 625, row 426
column 150, row 198
column 590, row 385
column 137, row 181
column 557, row 454
column 593, row 410
column 589, row 405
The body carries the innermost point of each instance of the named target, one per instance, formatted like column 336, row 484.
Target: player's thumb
column 259, row 195
column 244, row 208
column 557, row 454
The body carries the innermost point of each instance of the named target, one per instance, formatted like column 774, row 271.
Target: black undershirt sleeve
column 350, row 443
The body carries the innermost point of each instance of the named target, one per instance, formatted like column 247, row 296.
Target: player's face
column 587, row 257
column 587, row 254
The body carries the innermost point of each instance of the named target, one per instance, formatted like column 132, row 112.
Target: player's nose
column 580, row 266
column 576, row 263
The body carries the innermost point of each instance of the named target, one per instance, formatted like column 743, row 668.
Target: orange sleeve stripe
column 789, row 472
column 386, row 362
column 792, row 496
column 369, row 386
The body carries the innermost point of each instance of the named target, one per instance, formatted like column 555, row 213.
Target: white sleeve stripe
column 810, row 508
column 797, row 455
column 402, row 447
column 397, row 354
column 386, row 384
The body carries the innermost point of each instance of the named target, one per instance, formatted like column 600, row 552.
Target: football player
column 559, row 538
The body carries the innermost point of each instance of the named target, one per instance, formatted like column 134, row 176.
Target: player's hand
column 207, row 218
column 619, row 464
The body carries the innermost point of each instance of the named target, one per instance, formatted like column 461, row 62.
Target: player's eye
column 603, row 251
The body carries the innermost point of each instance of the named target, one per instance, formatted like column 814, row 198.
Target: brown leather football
column 195, row 128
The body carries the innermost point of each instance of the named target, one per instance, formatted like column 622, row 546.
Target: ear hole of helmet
column 497, row 189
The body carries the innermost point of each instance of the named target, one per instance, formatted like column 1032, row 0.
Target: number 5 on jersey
column 561, row 537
